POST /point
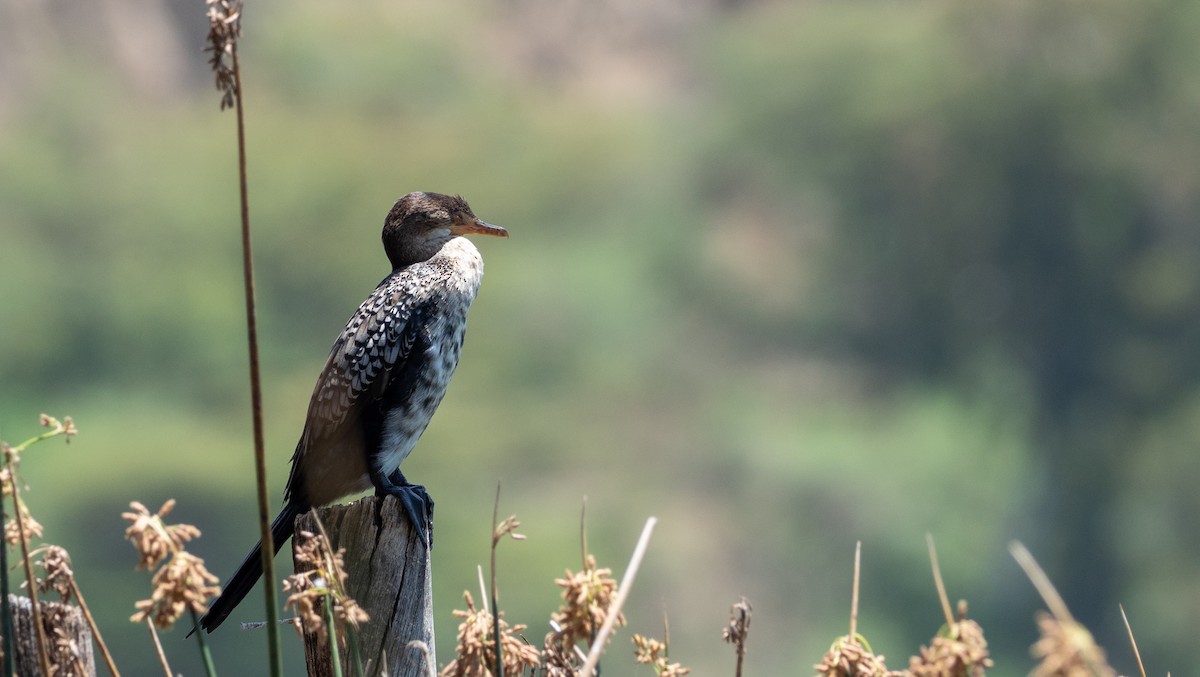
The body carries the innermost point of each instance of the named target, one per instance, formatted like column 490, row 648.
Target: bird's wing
column 375, row 343
column 379, row 337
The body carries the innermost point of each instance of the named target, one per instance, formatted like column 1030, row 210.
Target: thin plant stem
column 43, row 643
column 483, row 595
column 854, row 591
column 738, row 631
column 424, row 649
column 499, row 667
column 583, row 551
column 614, row 610
column 666, row 633
column 260, row 465
column 1133, row 642
column 37, row 438
column 1041, row 582
column 355, row 653
column 335, row 654
column 162, row 656
column 938, row 582
column 205, row 652
column 87, row 615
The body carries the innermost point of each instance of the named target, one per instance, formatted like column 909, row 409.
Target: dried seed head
column 5, row 474
column 323, row 584
column 508, row 526
column 739, row 626
column 1066, row 649
column 64, row 427
column 476, row 647
column 12, row 528
column 183, row 584
column 958, row 650
column 224, row 28
column 587, row 596
column 649, row 651
column 154, row 540
column 558, row 661
column 646, row 649
column 59, row 576
column 305, row 591
column 850, row 658
column 966, row 656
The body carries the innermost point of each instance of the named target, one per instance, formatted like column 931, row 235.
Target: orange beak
column 477, row 227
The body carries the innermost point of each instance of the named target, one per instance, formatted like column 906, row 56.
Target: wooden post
column 389, row 577
column 73, row 653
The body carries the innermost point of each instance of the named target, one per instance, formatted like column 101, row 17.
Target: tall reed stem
column 260, row 465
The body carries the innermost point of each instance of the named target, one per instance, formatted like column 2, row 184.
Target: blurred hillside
column 787, row 275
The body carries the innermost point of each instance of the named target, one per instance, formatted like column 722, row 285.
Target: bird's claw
column 419, row 508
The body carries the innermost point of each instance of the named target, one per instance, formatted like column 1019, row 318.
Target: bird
column 385, row 376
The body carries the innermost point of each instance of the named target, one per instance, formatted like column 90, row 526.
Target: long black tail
column 243, row 580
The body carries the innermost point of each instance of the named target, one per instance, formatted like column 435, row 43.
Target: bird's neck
column 460, row 260
column 459, row 249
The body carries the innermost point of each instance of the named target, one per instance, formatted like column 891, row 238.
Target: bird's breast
column 432, row 366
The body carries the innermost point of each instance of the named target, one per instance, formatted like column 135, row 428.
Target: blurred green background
column 786, row 275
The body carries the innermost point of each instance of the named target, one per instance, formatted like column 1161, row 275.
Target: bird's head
column 420, row 223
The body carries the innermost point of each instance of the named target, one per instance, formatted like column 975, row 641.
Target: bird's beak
column 477, row 227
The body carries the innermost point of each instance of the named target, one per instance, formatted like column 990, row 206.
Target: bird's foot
column 419, row 508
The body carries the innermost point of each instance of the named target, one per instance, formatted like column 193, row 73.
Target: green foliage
column 993, row 188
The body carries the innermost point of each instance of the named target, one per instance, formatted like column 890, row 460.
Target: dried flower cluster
column 12, row 455
column 306, row 591
column 324, row 582
column 961, row 651
column 738, row 630
column 56, row 623
column 587, row 596
column 183, row 583
column 507, row 527
column 850, row 657
column 151, row 537
column 8, row 478
column 958, row 650
column 649, row 651
column 224, row 28
column 1066, row 649
column 12, row 528
column 59, row 576
column 64, row 427
column 476, row 647
column 588, row 599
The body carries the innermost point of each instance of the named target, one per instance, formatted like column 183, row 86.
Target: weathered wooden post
column 389, row 577
column 66, row 630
